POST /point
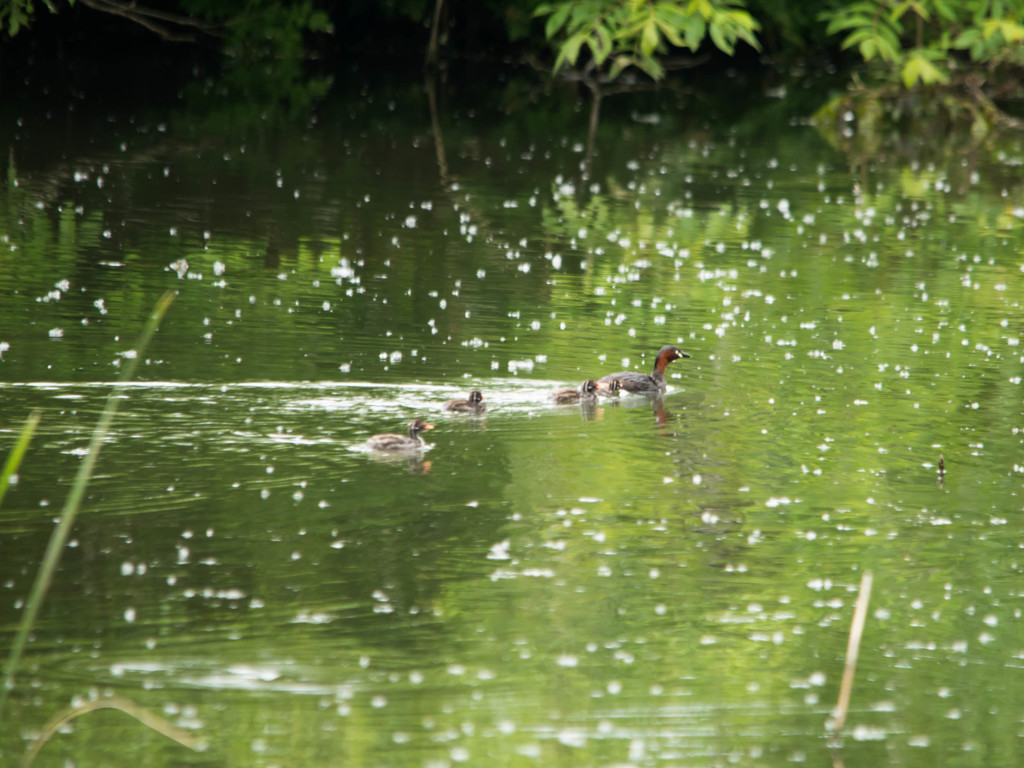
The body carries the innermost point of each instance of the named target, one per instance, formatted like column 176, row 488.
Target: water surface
column 640, row 583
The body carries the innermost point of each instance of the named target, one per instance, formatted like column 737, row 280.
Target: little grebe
column 631, row 381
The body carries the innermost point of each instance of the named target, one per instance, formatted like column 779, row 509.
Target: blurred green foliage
column 266, row 45
column 925, row 41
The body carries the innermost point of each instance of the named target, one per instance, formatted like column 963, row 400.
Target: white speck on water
column 129, row 615
column 56, row 333
column 572, row 737
column 868, row 733
column 318, row 617
column 567, row 660
column 499, row 551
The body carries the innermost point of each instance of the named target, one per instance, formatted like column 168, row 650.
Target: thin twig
column 154, row 20
column 432, row 47
column 435, row 127
column 121, row 704
column 860, row 614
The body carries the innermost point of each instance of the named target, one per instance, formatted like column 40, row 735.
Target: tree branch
column 156, row 21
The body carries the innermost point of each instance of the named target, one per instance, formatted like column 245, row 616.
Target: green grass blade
column 59, row 537
column 16, row 455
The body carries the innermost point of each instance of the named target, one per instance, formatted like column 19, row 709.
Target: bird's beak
column 683, row 354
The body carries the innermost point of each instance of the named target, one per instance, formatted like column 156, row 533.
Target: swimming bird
column 587, row 393
column 631, row 381
column 410, row 442
column 475, row 404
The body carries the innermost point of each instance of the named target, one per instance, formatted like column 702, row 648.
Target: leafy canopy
column 616, row 34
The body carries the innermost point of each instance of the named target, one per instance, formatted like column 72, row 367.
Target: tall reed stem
column 18, row 452
column 59, row 537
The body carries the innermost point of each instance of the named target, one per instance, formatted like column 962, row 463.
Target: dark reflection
column 435, row 127
column 655, row 401
column 661, row 413
column 413, row 461
column 942, row 471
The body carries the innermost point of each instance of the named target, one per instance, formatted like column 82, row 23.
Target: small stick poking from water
column 860, row 614
column 942, row 470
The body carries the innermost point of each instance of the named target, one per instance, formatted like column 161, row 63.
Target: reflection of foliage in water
column 264, row 77
column 621, row 607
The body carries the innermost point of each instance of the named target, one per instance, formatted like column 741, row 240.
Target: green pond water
column 637, row 584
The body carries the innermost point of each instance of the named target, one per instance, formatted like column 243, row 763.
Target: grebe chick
column 475, row 404
column 587, row 393
column 410, row 442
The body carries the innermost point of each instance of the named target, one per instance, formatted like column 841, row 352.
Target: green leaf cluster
column 16, row 14
column 920, row 41
column 610, row 35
